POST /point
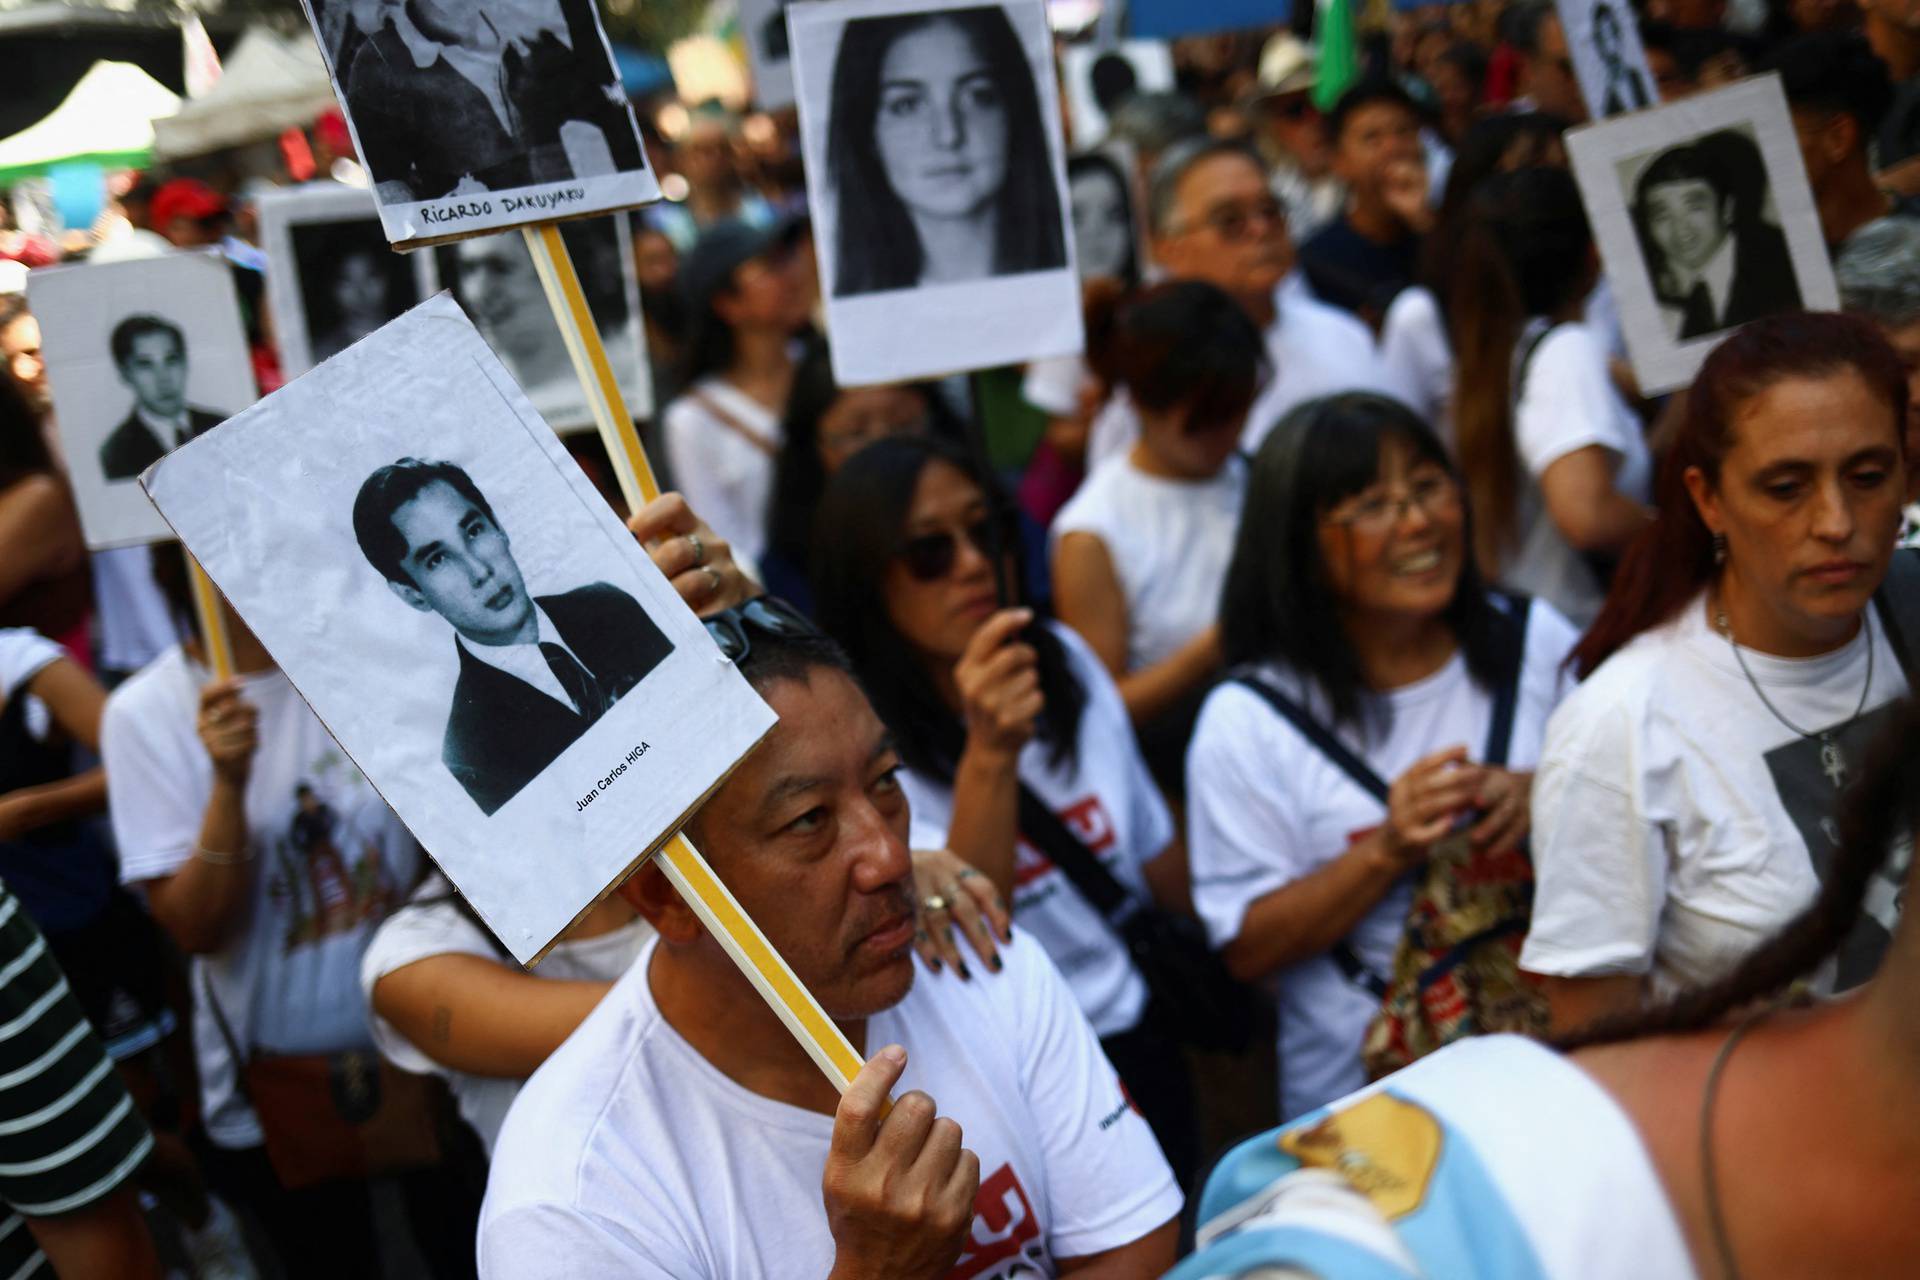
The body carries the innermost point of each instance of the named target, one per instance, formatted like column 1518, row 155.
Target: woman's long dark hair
column 1495, row 144
column 1672, row 561
column 1278, row 602
column 798, row 477
column 856, row 535
column 1877, row 813
column 877, row 247
column 1523, row 249
column 23, row 448
column 1104, row 164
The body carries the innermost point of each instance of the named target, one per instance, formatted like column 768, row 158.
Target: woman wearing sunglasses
column 987, row 702
column 1140, row 552
column 1353, row 612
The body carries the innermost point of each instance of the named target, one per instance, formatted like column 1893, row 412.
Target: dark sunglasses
column 768, row 615
column 930, row 557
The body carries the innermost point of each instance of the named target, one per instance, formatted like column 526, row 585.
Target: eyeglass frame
column 767, row 614
column 1272, row 210
column 1446, row 492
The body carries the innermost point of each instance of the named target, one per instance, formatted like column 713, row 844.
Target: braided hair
column 1878, row 813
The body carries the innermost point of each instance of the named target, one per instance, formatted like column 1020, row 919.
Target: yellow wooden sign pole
column 207, row 607
column 682, row 863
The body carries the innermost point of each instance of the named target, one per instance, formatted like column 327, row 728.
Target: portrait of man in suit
column 535, row 672
column 1626, row 86
column 150, row 355
column 1716, row 261
column 454, row 96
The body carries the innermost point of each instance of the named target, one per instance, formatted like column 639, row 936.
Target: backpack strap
column 1506, row 690
column 1351, row 966
column 1899, row 603
column 731, row 421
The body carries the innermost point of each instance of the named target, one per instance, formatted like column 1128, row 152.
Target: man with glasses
column 1215, row 219
column 1361, row 259
column 1302, row 175
column 682, row 1134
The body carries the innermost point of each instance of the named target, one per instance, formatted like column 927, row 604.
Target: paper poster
column 141, row 357
column 763, row 27
column 480, row 115
column 1109, row 226
column 1704, row 220
column 1097, row 79
column 1608, row 60
column 494, row 281
column 334, row 279
column 480, row 633
column 936, row 174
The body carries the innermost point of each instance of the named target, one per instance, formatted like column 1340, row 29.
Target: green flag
column 1339, row 61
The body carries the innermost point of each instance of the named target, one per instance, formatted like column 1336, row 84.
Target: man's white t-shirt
column 330, row 861
column 432, row 925
column 1413, row 343
column 1108, row 799
column 1265, row 808
column 1313, row 350
column 710, row 432
column 1677, row 823
column 629, row 1154
column 1170, row 542
column 1567, row 403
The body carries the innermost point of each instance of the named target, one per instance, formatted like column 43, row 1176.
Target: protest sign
column 141, row 355
column 476, row 628
column 1165, row 19
column 495, row 281
column 1108, row 228
column 936, row 175
column 763, row 25
column 1097, row 79
column 1704, row 220
column 334, row 278
column 1608, row 59
column 483, row 115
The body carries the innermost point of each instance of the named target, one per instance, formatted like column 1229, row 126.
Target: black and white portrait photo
column 493, row 279
column 1098, row 79
column 335, row 279
column 543, row 667
column 482, row 114
column 1106, row 235
column 935, row 163
column 142, row 356
column 1705, row 221
column 482, row 635
column 1608, row 60
column 769, row 54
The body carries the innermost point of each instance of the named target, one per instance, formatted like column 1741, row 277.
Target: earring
column 1719, row 548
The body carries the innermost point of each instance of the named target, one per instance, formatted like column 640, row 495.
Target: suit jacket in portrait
column 502, row 732
column 133, row 447
column 428, row 127
column 1763, row 283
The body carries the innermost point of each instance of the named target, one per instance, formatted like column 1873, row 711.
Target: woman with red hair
column 1685, row 804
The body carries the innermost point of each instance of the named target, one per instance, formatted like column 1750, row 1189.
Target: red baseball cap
column 185, row 198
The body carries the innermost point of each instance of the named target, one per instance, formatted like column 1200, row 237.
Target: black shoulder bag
column 1192, row 994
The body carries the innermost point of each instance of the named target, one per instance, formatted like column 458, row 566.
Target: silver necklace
column 1833, row 760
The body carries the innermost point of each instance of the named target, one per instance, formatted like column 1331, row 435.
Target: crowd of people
column 1342, row 670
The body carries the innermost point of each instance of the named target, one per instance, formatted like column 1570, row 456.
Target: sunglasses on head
column 768, row 615
column 930, row 557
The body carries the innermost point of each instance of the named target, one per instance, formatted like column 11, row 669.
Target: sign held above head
column 1603, row 38
column 483, row 115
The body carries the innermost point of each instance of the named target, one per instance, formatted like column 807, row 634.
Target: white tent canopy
column 269, row 85
column 107, row 117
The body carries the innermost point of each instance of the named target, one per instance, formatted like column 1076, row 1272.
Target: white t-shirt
column 134, row 623
column 24, row 654
column 1170, row 542
column 1413, row 343
column 324, row 873
column 1677, row 823
column 1458, row 1166
column 725, row 476
column 432, row 925
column 628, row 1154
column 1110, row 801
column 1313, row 350
column 1568, row 402
column 1265, row 808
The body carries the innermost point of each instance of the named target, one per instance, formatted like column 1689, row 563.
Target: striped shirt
column 69, row 1134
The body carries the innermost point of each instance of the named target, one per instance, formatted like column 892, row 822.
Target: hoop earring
column 1719, row 548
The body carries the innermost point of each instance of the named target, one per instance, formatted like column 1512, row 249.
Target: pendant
column 1833, row 761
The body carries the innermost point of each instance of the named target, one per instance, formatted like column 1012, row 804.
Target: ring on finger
column 699, row 549
column 934, row 902
column 713, row 577
column 967, row 874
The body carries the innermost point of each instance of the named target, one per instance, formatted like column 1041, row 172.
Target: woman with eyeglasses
column 1353, row 615
column 937, row 152
column 825, row 425
column 1141, row 550
column 1756, row 635
column 1556, row 460
column 987, row 701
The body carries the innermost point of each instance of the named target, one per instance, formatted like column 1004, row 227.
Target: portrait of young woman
column 937, row 153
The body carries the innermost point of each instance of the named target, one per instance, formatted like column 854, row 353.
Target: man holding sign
column 680, row 1133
